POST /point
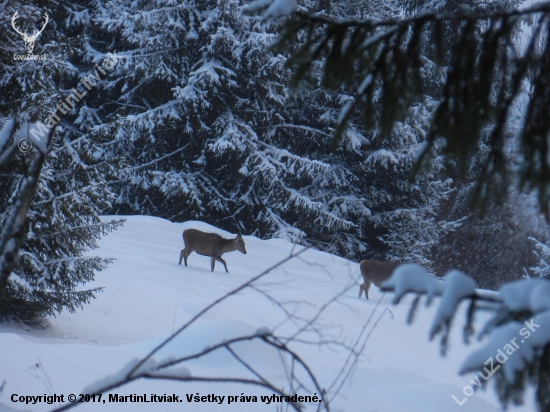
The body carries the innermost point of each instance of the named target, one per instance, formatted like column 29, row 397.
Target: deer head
column 29, row 40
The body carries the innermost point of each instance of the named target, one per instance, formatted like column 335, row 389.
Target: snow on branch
column 518, row 334
column 456, row 287
column 413, row 278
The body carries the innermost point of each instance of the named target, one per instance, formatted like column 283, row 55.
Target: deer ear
column 239, row 235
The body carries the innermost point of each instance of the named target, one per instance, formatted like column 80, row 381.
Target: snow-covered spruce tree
column 390, row 77
column 490, row 246
column 62, row 221
column 389, row 62
column 376, row 55
column 542, row 253
column 494, row 248
column 200, row 108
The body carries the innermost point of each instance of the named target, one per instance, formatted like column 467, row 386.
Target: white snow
column 148, row 296
column 108, row 380
column 275, row 8
column 412, row 277
column 257, row 5
column 498, row 353
column 526, row 294
column 517, row 342
column 456, row 286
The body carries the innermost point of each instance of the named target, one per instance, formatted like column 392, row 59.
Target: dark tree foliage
column 494, row 248
column 201, row 112
column 486, row 69
column 51, row 196
column 477, row 63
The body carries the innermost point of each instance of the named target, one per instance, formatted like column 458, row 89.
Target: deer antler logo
column 29, row 40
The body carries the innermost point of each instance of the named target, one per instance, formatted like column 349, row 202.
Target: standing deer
column 375, row 271
column 210, row 244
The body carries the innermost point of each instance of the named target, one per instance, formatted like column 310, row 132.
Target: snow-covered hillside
column 148, row 296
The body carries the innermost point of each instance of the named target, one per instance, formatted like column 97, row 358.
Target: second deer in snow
column 375, row 271
column 210, row 244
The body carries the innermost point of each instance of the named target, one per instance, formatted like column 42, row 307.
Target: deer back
column 377, row 271
column 211, row 244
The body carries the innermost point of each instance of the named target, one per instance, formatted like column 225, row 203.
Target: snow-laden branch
column 518, row 335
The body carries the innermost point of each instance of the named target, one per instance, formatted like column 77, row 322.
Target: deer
column 210, row 244
column 29, row 39
column 375, row 271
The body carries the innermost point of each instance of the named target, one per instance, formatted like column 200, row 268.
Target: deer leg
column 212, row 263
column 186, row 254
column 182, row 255
column 361, row 289
column 219, row 259
column 367, row 287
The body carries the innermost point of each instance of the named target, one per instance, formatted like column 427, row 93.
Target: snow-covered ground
column 148, row 296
